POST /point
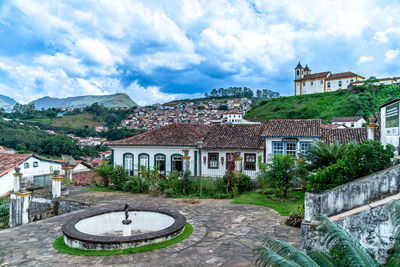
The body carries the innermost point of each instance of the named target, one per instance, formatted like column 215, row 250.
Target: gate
column 41, row 181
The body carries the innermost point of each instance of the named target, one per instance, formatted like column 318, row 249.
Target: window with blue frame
column 277, row 148
column 289, row 148
column 304, row 146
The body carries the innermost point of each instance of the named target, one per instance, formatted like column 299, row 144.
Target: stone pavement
column 224, row 234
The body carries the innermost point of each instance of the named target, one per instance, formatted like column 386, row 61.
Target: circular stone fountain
column 104, row 229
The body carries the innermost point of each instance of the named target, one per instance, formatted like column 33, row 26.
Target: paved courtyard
column 224, row 234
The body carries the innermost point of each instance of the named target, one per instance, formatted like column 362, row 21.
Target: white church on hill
column 306, row 82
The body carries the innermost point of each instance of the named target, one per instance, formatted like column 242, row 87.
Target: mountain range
column 109, row 101
column 7, row 102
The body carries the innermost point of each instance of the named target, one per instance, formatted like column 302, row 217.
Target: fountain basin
column 102, row 229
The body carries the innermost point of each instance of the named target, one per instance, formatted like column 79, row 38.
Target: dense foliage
column 239, row 92
column 176, row 184
column 360, row 101
column 279, row 174
column 78, row 122
column 321, row 154
column 25, row 138
column 119, row 176
column 361, row 160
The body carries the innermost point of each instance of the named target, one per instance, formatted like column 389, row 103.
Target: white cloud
column 391, row 54
column 152, row 94
column 59, row 60
column 90, row 46
column 364, row 59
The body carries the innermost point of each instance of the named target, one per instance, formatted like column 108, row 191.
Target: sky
column 158, row 51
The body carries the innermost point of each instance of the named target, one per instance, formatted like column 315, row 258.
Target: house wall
column 269, row 142
column 222, row 166
column 389, row 135
column 168, row 151
column 80, row 168
column 7, row 180
column 316, row 87
column 357, row 124
column 345, row 83
column 42, row 169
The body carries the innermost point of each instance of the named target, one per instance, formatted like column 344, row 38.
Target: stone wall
column 354, row 194
column 41, row 208
column 372, row 227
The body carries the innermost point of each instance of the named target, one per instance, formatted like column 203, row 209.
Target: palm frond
column 322, row 258
column 353, row 253
column 395, row 218
column 267, row 257
column 289, row 252
column 394, row 260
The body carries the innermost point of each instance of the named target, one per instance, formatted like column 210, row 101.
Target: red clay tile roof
column 317, row 75
column 175, row 134
column 242, row 136
column 347, row 119
column 342, row 75
column 10, row 161
column 347, row 135
column 293, row 128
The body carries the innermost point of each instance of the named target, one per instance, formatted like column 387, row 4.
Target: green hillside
column 359, row 101
column 109, row 101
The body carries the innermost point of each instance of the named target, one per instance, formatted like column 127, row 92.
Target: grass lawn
column 103, row 189
column 60, row 246
column 283, row 208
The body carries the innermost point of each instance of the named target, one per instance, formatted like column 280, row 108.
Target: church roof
column 306, row 68
column 342, row 75
column 317, row 75
column 299, row 66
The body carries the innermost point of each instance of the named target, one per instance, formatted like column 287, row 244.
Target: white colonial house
column 232, row 116
column 306, row 82
column 350, row 122
column 389, row 123
column 211, row 149
column 163, row 147
column 34, row 169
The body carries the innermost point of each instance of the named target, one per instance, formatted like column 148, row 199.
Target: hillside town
column 207, row 112
column 192, row 133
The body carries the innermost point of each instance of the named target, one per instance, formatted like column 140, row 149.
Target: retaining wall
column 354, row 194
column 372, row 227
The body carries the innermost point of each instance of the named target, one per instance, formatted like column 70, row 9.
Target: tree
column 274, row 252
column 105, row 171
column 280, row 173
column 320, row 154
column 119, row 176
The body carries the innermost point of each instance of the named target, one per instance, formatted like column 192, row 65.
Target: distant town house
column 350, row 122
column 35, row 169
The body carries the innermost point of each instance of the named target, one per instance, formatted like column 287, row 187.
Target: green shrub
column 369, row 157
column 240, row 181
column 136, row 185
column 105, row 172
column 119, row 176
column 281, row 174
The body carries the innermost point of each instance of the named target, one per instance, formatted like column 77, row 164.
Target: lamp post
column 200, row 146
